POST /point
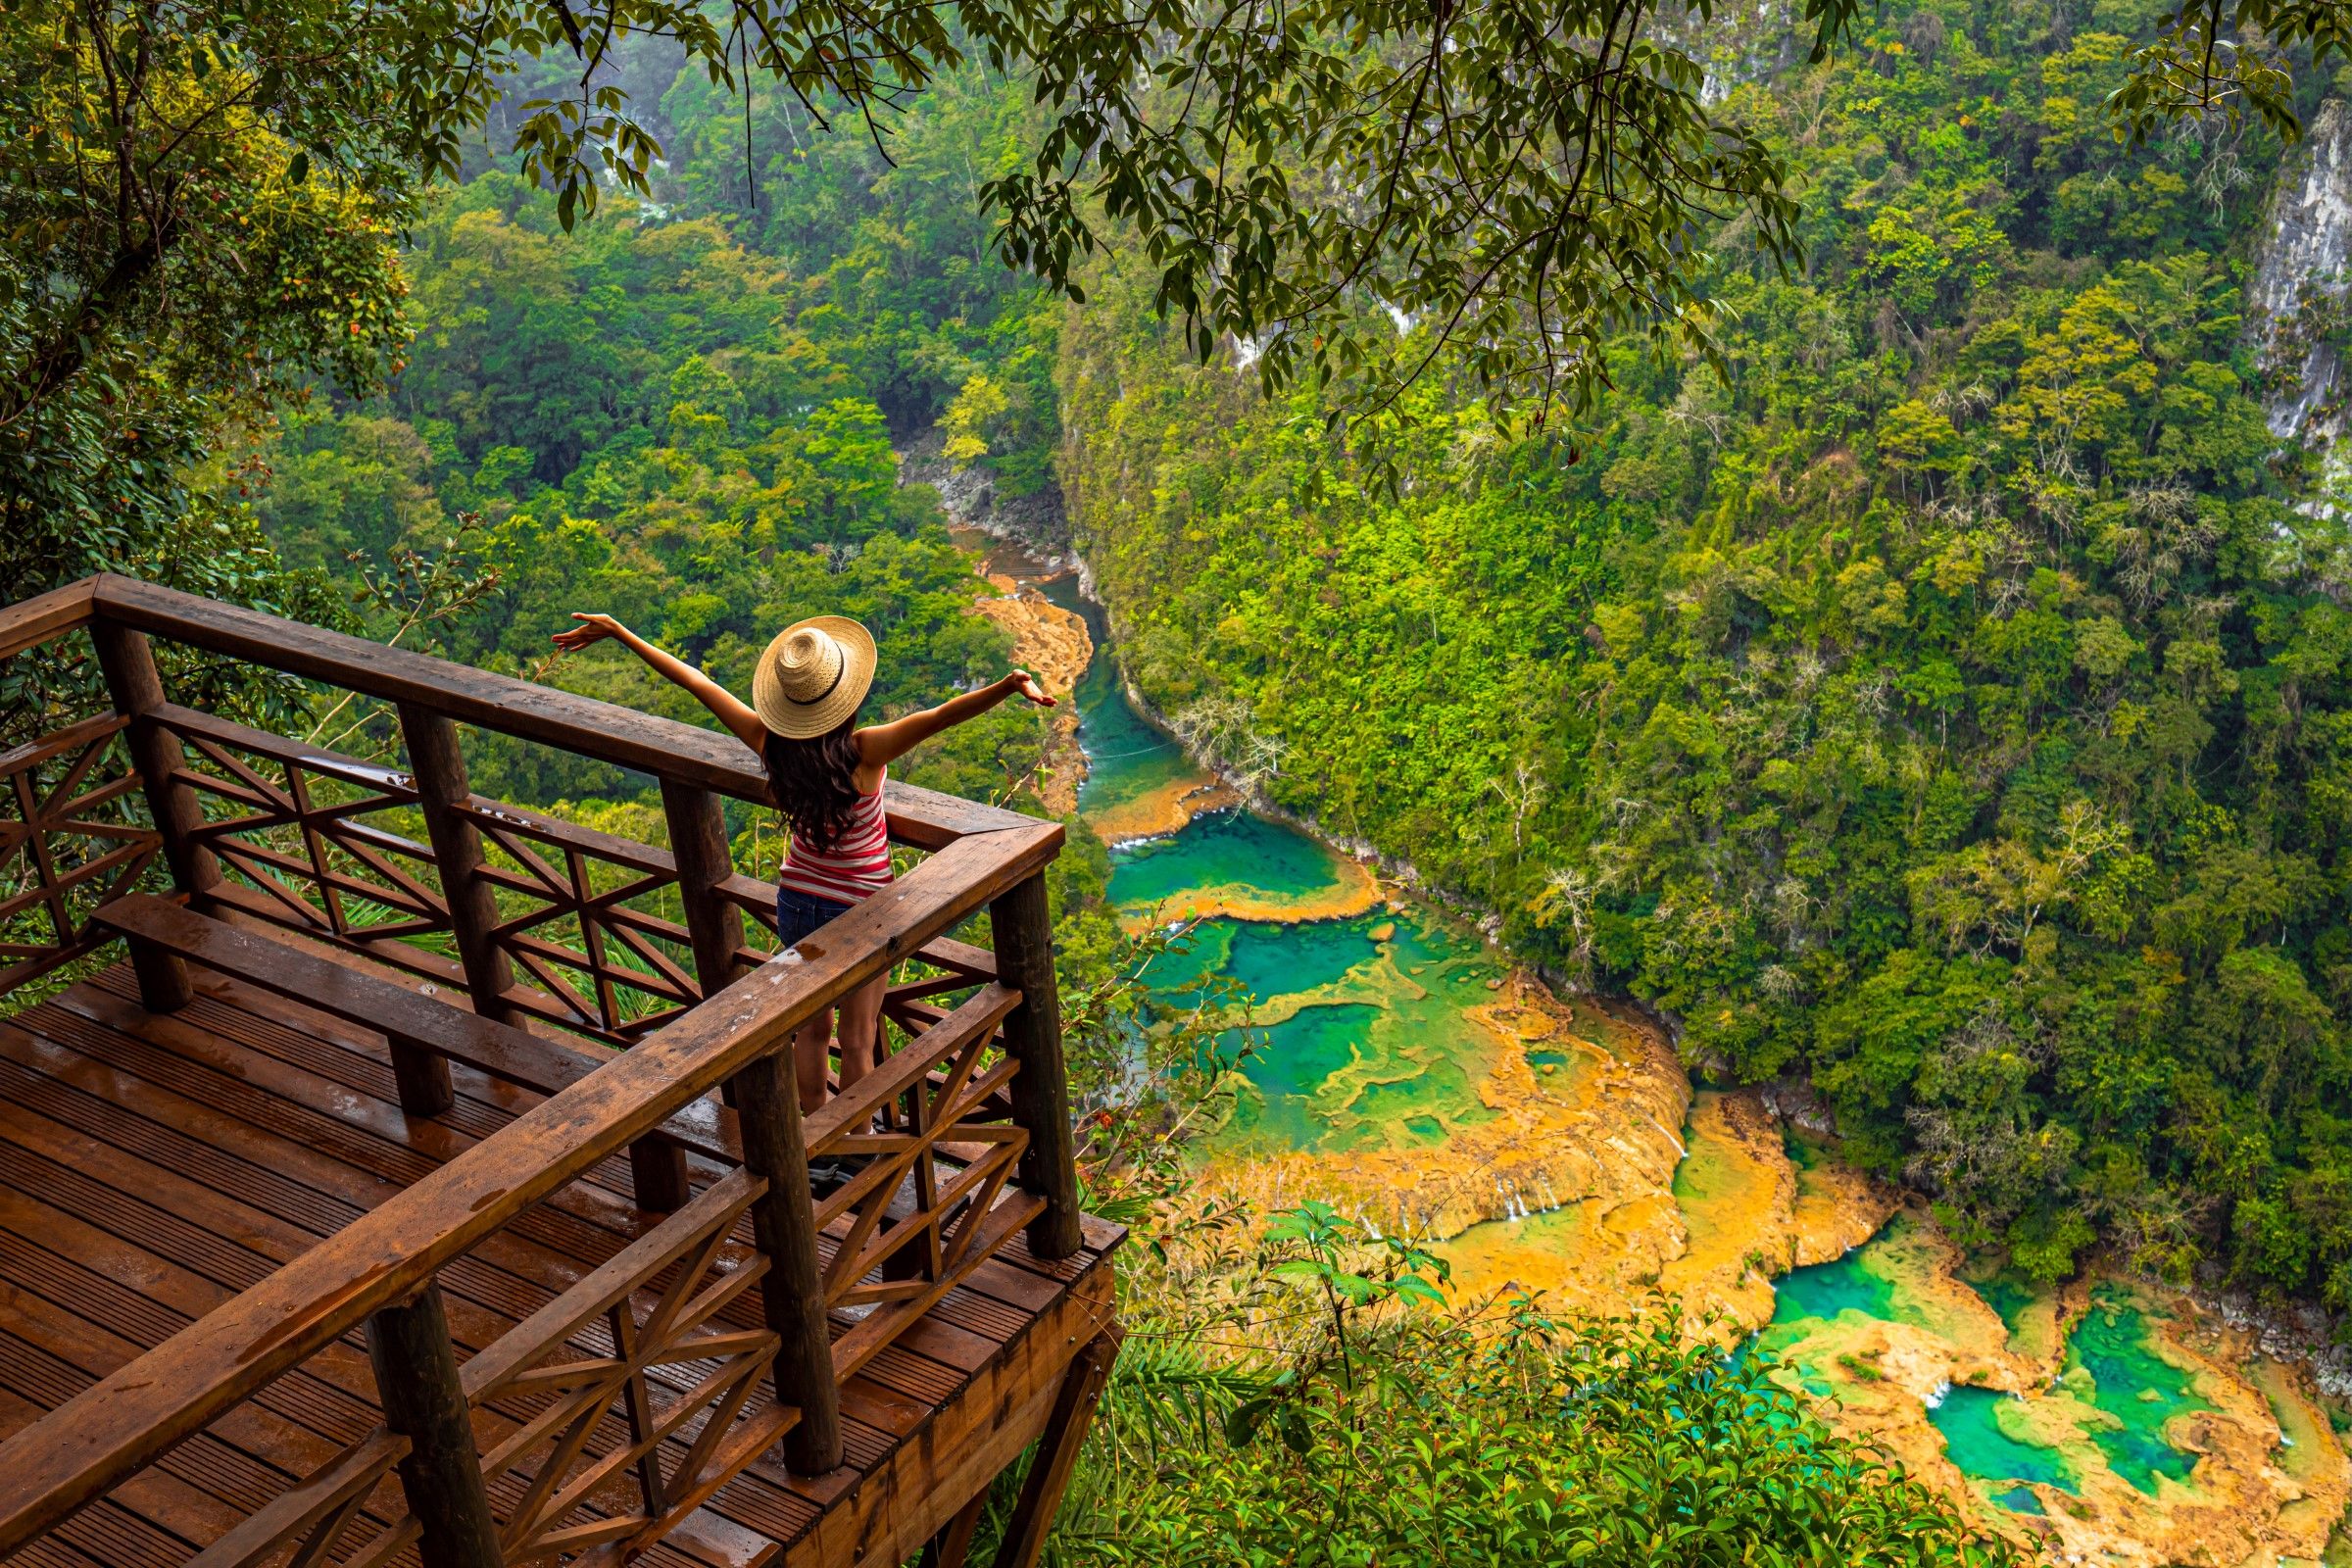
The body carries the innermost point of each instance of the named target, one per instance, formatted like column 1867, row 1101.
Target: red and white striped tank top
column 847, row 871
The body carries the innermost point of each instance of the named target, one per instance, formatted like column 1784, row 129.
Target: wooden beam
column 965, row 1443
column 698, row 842
column 30, row 622
column 138, row 693
column 444, row 1031
column 163, row 979
column 1057, row 1452
column 423, row 1401
column 643, row 741
column 767, row 1109
column 952, row 1545
column 1041, row 1091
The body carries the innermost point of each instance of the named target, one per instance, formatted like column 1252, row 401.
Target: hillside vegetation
column 1943, row 705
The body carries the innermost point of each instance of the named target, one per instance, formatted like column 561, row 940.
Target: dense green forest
column 1935, row 698
column 683, row 414
column 1947, row 705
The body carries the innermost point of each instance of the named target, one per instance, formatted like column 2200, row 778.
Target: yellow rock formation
column 1354, row 891
column 1052, row 644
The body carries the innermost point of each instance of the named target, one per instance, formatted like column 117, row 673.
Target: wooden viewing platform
column 411, row 1177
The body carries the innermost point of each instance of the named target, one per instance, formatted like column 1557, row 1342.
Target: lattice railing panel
column 613, row 1414
column 589, row 921
column 328, row 845
column 683, row 1387
column 75, row 834
column 936, row 1152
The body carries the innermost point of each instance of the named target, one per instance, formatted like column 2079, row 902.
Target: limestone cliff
column 2304, row 258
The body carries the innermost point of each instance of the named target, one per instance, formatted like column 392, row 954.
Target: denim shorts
column 800, row 913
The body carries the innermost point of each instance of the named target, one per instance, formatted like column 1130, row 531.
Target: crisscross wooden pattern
column 291, row 824
column 634, row 1339
column 588, row 916
column 78, row 838
column 328, row 846
column 937, row 1153
column 692, row 1270
column 324, row 1519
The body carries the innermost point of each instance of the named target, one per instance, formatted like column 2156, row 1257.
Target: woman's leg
column 862, row 1030
column 812, row 1046
column 799, row 916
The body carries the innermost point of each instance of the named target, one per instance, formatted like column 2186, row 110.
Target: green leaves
column 2203, row 65
column 1602, row 1442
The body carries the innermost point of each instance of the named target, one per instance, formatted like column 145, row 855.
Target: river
column 1408, row 1075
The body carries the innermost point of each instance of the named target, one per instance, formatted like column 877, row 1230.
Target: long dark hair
column 814, row 782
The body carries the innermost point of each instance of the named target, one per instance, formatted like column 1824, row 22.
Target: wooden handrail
column 644, row 743
column 37, row 619
column 123, row 1422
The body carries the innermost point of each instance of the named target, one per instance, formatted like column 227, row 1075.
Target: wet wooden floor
column 151, row 1168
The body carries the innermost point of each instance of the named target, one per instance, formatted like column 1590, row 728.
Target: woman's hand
column 591, row 629
column 1026, row 684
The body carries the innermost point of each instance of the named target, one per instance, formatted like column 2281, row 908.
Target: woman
column 826, row 776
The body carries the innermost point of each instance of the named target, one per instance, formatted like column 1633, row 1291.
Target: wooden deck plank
column 151, row 1168
column 474, row 1320
column 486, row 1323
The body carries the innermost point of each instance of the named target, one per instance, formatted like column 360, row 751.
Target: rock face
column 1038, row 523
column 2305, row 257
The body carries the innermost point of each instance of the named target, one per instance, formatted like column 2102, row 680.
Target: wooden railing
column 600, row 1418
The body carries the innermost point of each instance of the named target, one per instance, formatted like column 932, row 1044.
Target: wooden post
column 421, row 1075
column 697, row 840
column 1056, row 1452
column 163, row 979
column 657, row 1166
column 439, row 767
column 952, row 1545
column 417, row 1383
column 129, row 663
column 1040, row 1090
column 768, row 1109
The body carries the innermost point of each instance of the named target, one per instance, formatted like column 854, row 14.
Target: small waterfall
column 1680, row 1153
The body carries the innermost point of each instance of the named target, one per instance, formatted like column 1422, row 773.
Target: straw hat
column 813, row 675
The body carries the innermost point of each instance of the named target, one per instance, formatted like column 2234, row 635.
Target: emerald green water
column 1970, row 1420
column 1225, row 850
column 2006, row 1296
column 2123, row 1390
column 1351, row 1047
column 1826, row 1289
column 1126, row 759
column 1361, row 1039
column 2140, row 1390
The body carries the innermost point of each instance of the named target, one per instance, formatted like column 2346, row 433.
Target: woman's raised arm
column 731, row 710
column 881, row 745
